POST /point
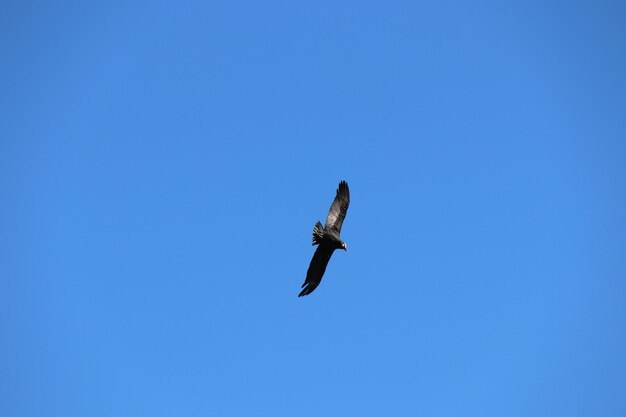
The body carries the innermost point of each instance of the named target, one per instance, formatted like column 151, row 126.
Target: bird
column 327, row 239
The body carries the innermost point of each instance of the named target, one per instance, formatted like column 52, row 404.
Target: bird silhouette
column 327, row 238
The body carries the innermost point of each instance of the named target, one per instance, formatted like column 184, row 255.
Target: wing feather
column 338, row 208
column 316, row 270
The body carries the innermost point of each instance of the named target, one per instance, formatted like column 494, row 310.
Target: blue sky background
column 162, row 165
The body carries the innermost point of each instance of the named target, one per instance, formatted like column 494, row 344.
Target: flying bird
column 327, row 239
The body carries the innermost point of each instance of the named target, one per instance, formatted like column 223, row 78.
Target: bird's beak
column 345, row 247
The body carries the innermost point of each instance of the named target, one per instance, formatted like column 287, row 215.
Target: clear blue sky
column 162, row 165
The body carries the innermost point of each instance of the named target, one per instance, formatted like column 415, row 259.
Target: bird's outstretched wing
column 316, row 269
column 339, row 208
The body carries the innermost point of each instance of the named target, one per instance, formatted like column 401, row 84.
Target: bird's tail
column 318, row 233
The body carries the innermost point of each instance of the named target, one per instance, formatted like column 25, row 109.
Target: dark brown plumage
column 327, row 238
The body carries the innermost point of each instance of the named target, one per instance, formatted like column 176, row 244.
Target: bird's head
column 344, row 246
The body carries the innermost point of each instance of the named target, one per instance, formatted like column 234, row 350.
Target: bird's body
column 327, row 238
